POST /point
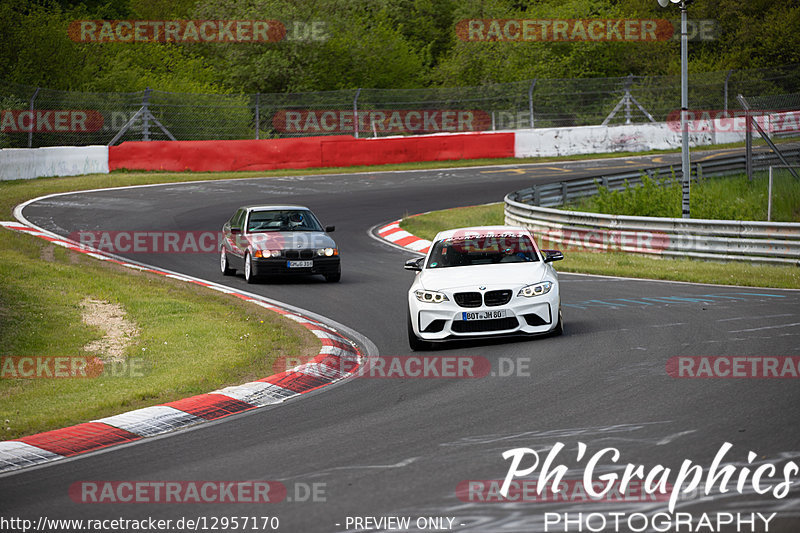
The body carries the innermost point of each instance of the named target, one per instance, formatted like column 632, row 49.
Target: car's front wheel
column 333, row 278
column 415, row 342
column 224, row 266
column 249, row 273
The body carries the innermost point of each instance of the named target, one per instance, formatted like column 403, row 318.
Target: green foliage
column 376, row 44
column 653, row 198
column 730, row 198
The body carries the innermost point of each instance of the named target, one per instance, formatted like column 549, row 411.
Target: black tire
column 224, row 264
column 333, row 278
column 415, row 342
column 249, row 269
column 559, row 329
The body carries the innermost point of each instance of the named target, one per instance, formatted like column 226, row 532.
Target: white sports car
column 483, row 281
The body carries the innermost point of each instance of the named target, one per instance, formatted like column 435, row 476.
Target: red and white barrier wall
column 345, row 150
column 306, row 152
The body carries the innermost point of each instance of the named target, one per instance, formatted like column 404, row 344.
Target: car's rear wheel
column 415, row 342
column 224, row 266
column 249, row 273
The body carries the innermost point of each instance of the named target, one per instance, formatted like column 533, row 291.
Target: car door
column 234, row 239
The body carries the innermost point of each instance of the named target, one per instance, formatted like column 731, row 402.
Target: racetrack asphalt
column 401, row 447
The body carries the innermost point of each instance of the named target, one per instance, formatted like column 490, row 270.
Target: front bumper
column 280, row 266
column 524, row 316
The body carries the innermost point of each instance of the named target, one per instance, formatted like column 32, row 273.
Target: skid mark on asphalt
column 672, row 300
column 766, row 327
column 753, row 317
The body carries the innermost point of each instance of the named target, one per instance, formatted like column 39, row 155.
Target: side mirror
column 329, row 229
column 414, row 264
column 236, row 231
column 552, row 255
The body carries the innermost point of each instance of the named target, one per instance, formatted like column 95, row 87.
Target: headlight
column 537, row 289
column 431, row 297
column 328, row 252
column 267, row 253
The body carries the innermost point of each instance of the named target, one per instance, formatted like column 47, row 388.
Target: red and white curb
column 399, row 237
column 339, row 358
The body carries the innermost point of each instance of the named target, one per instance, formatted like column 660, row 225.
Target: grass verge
column 191, row 340
column 613, row 263
column 725, row 198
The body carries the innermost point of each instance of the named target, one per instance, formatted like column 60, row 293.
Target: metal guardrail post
column 30, row 132
column 564, row 192
column 537, row 196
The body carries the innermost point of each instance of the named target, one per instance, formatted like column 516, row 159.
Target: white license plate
column 483, row 315
column 300, row 264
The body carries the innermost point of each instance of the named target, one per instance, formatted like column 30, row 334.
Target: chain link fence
column 34, row 117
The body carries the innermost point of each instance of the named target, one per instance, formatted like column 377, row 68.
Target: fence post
column 727, row 78
column 258, row 121
column 564, row 192
column 355, row 112
column 30, row 132
column 628, row 84
column 537, row 195
column 530, row 101
column 146, row 115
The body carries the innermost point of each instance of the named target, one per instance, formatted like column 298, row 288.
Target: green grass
column 616, row 264
column 725, row 198
column 191, row 339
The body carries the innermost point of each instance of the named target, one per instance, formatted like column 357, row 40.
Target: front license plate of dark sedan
column 483, row 315
column 300, row 264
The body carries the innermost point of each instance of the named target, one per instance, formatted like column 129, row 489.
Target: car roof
column 274, row 207
column 480, row 230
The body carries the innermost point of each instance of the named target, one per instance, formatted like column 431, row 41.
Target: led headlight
column 431, row 297
column 537, row 289
column 327, row 252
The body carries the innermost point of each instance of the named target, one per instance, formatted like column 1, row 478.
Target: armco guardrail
column 761, row 242
column 554, row 194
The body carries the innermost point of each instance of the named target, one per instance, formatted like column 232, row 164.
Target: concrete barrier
column 550, row 142
column 29, row 163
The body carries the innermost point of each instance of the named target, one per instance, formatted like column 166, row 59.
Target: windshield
column 482, row 250
column 282, row 220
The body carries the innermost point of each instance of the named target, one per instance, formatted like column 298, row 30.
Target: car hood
column 490, row 276
column 290, row 240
